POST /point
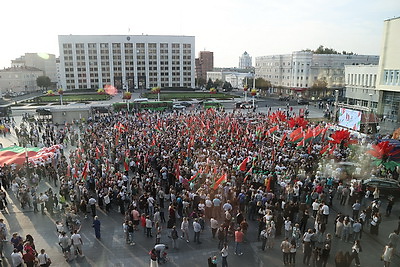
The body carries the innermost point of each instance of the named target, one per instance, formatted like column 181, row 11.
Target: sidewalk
column 386, row 227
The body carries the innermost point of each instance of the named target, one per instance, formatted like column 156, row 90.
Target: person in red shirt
column 238, row 241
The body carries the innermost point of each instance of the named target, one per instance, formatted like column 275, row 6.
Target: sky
column 225, row 27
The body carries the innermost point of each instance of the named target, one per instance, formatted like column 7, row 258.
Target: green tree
column 43, row 82
column 227, row 86
column 262, row 84
column 200, row 82
column 324, row 50
column 319, row 84
column 210, row 84
column 218, row 83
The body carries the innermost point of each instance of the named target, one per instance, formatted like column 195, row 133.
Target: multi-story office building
column 133, row 61
column 19, row 79
column 361, row 86
column 299, row 71
column 388, row 78
column 245, row 61
column 204, row 63
column 43, row 61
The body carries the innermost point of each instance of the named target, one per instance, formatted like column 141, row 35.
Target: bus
column 149, row 105
column 212, row 104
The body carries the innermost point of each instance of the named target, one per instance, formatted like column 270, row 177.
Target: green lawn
column 188, row 95
column 72, row 98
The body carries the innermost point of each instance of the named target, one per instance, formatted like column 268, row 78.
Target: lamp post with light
column 336, row 104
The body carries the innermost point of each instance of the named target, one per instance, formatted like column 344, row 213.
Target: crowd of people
column 176, row 173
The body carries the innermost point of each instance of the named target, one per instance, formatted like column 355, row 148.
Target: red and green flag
column 248, row 174
column 242, row 166
column 85, row 171
column 282, row 142
column 16, row 154
column 219, row 181
column 272, row 130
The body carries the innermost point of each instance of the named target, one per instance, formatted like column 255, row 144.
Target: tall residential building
column 126, row 61
column 204, row 63
column 388, row 79
column 19, row 79
column 245, row 61
column 43, row 61
column 299, row 71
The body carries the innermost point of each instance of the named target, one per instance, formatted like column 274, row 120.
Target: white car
column 178, row 106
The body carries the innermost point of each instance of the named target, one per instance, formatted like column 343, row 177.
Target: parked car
column 386, row 186
column 302, row 101
column 178, row 106
column 283, row 98
column 244, row 105
column 186, row 104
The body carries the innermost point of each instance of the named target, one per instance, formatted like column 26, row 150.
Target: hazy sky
column 226, row 27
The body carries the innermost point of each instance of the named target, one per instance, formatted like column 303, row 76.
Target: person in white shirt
column 325, row 212
column 77, row 243
column 214, row 226
column 315, row 207
column 16, row 258
column 224, row 254
column 43, row 258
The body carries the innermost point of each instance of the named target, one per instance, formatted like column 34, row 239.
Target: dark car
column 302, row 101
column 283, row 98
column 386, row 186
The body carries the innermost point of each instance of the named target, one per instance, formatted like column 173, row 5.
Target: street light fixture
column 336, row 103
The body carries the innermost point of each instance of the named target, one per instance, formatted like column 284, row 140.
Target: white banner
column 350, row 118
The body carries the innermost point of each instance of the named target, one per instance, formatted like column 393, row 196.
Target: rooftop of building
column 21, row 68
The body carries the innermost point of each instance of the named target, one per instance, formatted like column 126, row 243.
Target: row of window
column 368, row 80
column 391, row 77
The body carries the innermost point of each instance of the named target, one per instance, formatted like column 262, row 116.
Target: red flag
column 324, row 149
column 272, row 130
column 97, row 153
column 242, row 166
column 282, row 140
column 68, row 171
column 219, row 181
column 126, row 164
column 248, row 174
column 295, row 133
column 85, row 171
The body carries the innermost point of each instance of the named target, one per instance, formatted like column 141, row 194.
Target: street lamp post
column 367, row 119
column 336, row 103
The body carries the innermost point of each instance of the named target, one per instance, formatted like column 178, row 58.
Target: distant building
column 235, row 78
column 361, row 86
column 43, row 61
column 296, row 73
column 126, row 61
column 19, row 79
column 245, row 61
column 388, row 76
column 204, row 63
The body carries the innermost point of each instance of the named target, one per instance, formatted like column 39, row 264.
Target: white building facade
column 297, row 72
column 245, row 61
column 361, row 85
column 236, row 79
column 126, row 61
